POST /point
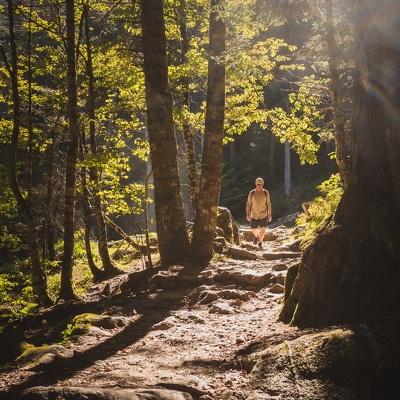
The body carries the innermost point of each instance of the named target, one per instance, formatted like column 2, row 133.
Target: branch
column 124, row 235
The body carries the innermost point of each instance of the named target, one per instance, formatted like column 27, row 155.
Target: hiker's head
column 259, row 182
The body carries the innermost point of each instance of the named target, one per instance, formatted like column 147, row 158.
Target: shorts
column 260, row 222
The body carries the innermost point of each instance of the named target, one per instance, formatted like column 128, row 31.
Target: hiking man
column 258, row 211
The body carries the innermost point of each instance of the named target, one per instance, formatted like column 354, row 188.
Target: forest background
column 289, row 72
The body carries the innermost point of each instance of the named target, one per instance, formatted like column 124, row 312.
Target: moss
column 339, row 361
column 12, row 345
column 290, row 278
column 227, row 226
column 80, row 325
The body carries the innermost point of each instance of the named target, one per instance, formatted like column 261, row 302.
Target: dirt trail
column 176, row 337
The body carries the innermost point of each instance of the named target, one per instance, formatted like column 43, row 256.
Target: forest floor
column 188, row 338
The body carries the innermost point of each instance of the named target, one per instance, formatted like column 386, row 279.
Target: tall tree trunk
column 29, row 169
column 173, row 240
column 149, row 262
column 48, row 249
column 271, row 162
column 66, row 291
column 108, row 265
column 38, row 280
column 288, row 172
column 342, row 140
column 188, row 135
column 96, row 272
column 202, row 246
column 351, row 270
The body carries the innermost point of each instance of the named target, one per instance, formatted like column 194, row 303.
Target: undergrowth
column 319, row 211
column 16, row 293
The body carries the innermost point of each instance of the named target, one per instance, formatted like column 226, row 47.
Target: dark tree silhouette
column 66, row 291
column 352, row 268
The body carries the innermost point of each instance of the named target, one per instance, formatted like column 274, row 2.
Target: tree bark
column 48, row 249
column 188, row 135
column 202, row 246
column 38, row 279
column 97, row 273
column 66, row 291
column 108, row 265
column 288, row 172
column 271, row 162
column 342, row 140
column 173, row 240
column 351, row 270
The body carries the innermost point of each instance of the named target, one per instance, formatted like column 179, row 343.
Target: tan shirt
column 258, row 203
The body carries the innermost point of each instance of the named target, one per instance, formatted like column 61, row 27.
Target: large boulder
column 346, row 363
column 228, row 226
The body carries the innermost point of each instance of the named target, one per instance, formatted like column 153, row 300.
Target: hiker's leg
column 262, row 233
column 255, row 233
column 254, row 227
column 263, row 224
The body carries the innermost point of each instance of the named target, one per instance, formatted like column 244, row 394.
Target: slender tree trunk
column 96, row 272
column 66, row 291
column 342, row 140
column 271, row 163
column 351, row 270
column 108, row 265
column 48, row 222
column 170, row 219
column 149, row 262
column 38, row 280
column 188, row 135
column 202, row 246
column 29, row 169
column 288, row 172
column 87, row 214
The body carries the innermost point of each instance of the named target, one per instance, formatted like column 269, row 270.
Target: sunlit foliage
column 320, row 210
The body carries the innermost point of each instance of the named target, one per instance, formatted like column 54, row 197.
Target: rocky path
column 181, row 338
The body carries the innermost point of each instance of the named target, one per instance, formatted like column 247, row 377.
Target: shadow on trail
column 63, row 369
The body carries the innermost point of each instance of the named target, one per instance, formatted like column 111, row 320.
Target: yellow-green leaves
column 320, row 209
column 298, row 122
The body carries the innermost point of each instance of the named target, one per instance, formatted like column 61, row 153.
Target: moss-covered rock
column 12, row 344
column 227, row 225
column 39, row 357
column 82, row 323
column 340, row 363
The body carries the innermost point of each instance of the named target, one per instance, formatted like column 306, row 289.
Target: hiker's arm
column 269, row 209
column 248, row 209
